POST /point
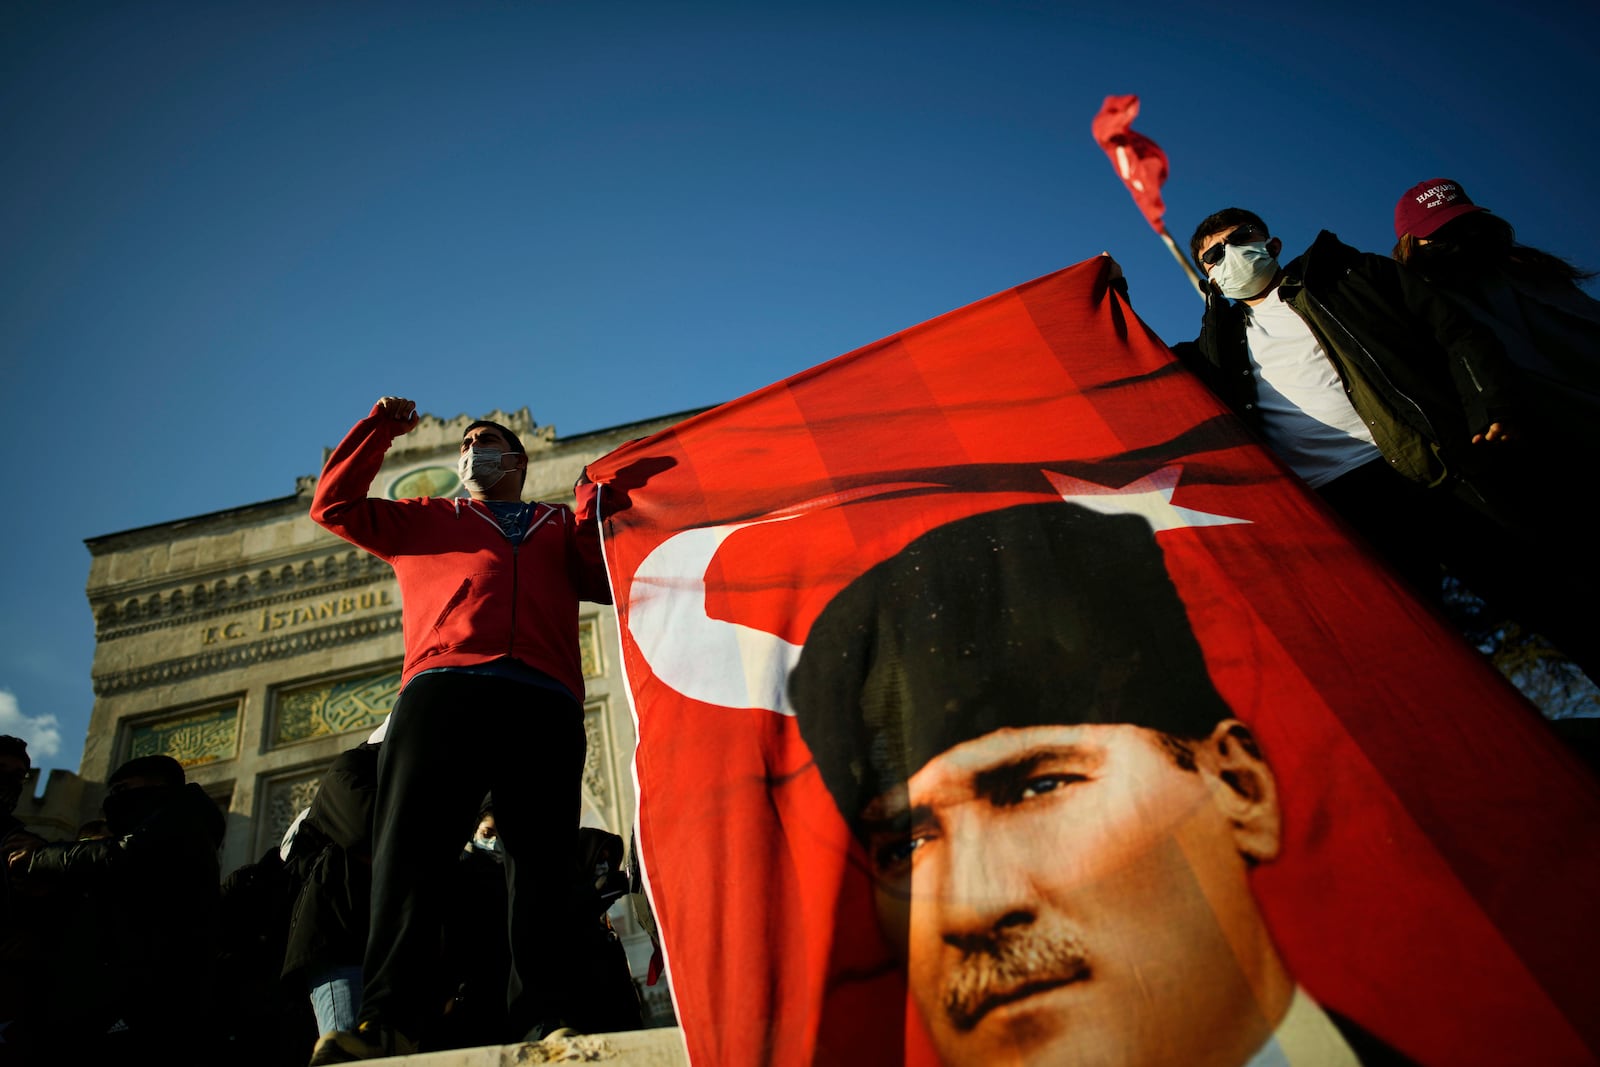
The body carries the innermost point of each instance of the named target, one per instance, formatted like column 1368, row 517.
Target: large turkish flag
column 1438, row 874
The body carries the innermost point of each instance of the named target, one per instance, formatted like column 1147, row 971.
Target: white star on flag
column 1149, row 497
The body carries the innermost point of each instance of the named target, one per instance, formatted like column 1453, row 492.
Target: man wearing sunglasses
column 1393, row 404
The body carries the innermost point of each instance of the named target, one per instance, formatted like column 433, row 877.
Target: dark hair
column 1038, row 614
column 15, row 746
column 164, row 768
column 511, row 439
column 1226, row 219
column 1471, row 247
column 505, row 431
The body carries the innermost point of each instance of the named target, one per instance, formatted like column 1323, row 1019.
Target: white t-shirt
column 1308, row 420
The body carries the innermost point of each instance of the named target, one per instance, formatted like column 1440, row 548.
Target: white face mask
column 480, row 469
column 1245, row 270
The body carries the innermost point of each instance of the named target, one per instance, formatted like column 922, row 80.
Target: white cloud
column 42, row 732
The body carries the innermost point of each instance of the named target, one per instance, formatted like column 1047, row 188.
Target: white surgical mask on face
column 1245, row 270
column 480, row 469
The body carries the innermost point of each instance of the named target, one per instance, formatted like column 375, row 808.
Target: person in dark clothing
column 611, row 1003
column 15, row 763
column 264, row 1024
column 477, row 960
column 15, row 839
column 1399, row 409
column 1529, row 297
column 332, row 857
column 154, row 882
column 603, row 998
column 22, row 937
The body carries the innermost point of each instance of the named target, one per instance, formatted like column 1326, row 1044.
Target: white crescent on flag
column 692, row 652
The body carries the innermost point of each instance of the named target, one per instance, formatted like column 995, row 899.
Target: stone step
column 661, row 1047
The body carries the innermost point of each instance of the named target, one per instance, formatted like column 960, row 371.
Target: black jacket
column 1551, row 330
column 164, row 858
column 1420, row 372
column 151, row 894
column 332, row 855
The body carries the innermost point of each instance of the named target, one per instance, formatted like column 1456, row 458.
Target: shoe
column 327, row 1051
column 368, row 1041
column 548, row 1028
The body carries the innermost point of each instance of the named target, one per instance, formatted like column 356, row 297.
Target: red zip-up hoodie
column 468, row 594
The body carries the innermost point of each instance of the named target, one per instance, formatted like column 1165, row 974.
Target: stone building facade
column 254, row 647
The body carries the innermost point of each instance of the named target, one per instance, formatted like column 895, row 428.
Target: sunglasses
column 1244, row 235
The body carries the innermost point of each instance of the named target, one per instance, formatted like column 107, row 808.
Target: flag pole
column 1183, row 261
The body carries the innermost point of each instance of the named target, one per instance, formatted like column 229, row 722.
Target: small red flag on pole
column 1140, row 162
column 1142, row 166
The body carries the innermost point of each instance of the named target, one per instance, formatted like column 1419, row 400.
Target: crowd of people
column 370, row 933
column 438, row 891
column 123, row 943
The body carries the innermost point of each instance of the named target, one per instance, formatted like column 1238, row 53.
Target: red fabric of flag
column 1428, row 882
column 1139, row 161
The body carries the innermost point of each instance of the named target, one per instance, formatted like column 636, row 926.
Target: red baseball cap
column 1428, row 205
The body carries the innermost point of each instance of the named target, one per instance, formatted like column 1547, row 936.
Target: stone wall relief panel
column 193, row 737
column 589, row 647
column 329, row 707
column 281, row 798
column 599, row 787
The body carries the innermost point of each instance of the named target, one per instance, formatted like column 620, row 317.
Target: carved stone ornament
column 225, row 658
column 329, row 708
column 191, row 739
column 286, row 798
column 597, row 760
column 589, row 648
column 190, row 602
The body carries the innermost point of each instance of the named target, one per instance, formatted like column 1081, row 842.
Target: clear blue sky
column 227, row 228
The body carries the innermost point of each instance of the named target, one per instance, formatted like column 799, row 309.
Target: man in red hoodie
column 490, row 702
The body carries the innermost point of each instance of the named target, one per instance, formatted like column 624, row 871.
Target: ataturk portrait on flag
column 1015, row 718
column 1000, row 700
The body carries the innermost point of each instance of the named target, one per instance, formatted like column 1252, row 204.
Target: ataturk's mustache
column 1008, row 964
